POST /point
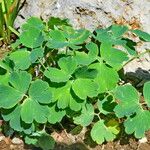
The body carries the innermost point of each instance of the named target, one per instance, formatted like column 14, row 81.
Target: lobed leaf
column 21, row 59
column 86, row 116
column 56, row 75
column 138, row 124
column 107, row 78
column 100, row 133
column 128, row 101
column 89, row 88
column 40, row 92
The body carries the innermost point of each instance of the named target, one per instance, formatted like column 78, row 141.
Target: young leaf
column 128, row 101
column 107, row 77
column 89, row 88
column 138, row 124
column 56, row 75
column 86, row 116
column 100, row 133
column 143, row 35
column 40, row 91
column 146, row 93
column 21, row 59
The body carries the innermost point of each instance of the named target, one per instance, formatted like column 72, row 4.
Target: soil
column 125, row 143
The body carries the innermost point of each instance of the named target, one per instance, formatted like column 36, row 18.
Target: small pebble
column 143, row 140
column 16, row 141
column 2, row 138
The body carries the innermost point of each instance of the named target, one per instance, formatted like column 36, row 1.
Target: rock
column 143, row 140
column 2, row 138
column 90, row 13
column 16, row 141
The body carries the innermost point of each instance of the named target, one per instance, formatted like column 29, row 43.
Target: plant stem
column 137, row 56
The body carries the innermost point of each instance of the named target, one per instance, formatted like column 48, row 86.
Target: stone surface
column 91, row 14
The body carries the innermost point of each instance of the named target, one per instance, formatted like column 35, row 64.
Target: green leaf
column 53, row 21
column 86, row 116
column 67, row 64
column 21, row 59
column 107, row 78
column 20, row 81
column 9, row 96
column 89, row 88
column 31, row 35
column 56, row 75
column 100, row 133
column 40, row 91
column 85, row 72
column 79, row 37
column 83, row 59
column 30, row 140
column 138, row 124
column 32, row 110
column 57, row 39
column 93, row 49
column 146, row 93
column 55, row 115
column 36, row 54
column 143, row 35
column 118, row 30
column 46, row 142
column 32, row 38
column 103, row 36
column 64, row 98
column 112, row 56
column 33, row 22
column 4, row 79
column 128, row 100
column 13, row 116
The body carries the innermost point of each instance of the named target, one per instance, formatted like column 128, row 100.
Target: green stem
column 137, row 56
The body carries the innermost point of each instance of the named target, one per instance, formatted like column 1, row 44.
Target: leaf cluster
column 57, row 72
